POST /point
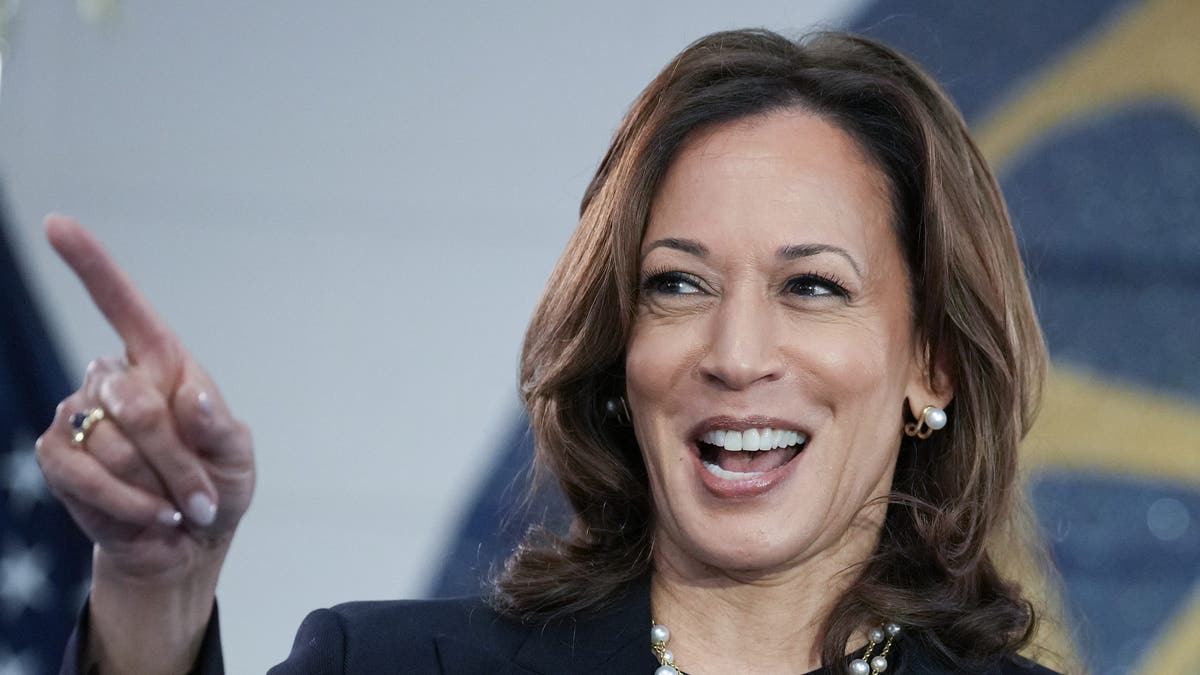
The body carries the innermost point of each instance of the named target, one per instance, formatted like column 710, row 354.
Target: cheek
column 848, row 359
column 657, row 361
column 657, row 367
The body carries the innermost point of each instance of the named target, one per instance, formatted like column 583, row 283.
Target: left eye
column 812, row 285
column 672, row 283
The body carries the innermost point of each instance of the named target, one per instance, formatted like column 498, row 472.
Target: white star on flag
column 24, row 663
column 23, row 478
column 23, row 581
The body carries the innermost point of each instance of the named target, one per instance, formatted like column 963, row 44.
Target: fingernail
column 201, row 509
column 170, row 517
column 206, row 404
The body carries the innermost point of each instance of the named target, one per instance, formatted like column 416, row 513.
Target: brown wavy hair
column 934, row 570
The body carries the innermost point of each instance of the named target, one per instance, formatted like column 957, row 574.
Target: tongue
column 748, row 462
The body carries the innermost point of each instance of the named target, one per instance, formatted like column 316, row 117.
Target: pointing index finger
column 148, row 340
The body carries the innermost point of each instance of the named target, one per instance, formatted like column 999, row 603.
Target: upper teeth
column 753, row 439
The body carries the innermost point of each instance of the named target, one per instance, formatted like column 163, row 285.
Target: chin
column 747, row 548
column 771, row 538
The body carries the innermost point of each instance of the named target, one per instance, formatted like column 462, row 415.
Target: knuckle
column 99, row 368
column 113, row 455
column 141, row 414
column 92, row 385
column 54, row 472
column 228, row 434
column 188, row 481
column 164, row 344
column 127, row 462
column 220, row 426
column 85, row 482
column 41, row 448
column 43, row 451
column 41, row 454
column 96, row 366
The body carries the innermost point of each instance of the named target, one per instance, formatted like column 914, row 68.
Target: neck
column 723, row 627
column 725, row 621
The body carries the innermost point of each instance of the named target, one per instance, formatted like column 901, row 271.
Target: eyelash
column 654, row 279
column 815, row 278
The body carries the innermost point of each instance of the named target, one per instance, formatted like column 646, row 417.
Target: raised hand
column 162, row 480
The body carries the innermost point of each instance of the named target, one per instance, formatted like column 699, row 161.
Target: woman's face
column 773, row 296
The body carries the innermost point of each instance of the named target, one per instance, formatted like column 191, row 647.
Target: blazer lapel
column 614, row 639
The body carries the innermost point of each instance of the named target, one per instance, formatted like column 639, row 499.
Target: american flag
column 44, row 559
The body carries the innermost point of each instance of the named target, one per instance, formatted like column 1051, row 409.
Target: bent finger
column 141, row 412
column 109, row 445
column 97, row 370
column 104, row 440
column 76, row 477
column 206, row 422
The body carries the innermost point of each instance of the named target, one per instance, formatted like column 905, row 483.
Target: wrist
column 151, row 623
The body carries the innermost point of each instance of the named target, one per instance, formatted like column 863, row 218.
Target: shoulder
column 423, row 620
column 1009, row 665
column 921, row 659
column 411, row 613
column 1019, row 665
column 375, row 636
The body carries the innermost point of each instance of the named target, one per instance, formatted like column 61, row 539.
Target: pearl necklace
column 863, row 665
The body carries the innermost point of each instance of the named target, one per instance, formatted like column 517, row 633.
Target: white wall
column 347, row 210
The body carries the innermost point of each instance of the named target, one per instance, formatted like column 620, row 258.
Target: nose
column 743, row 345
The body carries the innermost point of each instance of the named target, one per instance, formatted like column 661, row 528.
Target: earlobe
column 931, row 384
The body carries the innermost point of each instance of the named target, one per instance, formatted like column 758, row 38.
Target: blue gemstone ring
column 82, row 422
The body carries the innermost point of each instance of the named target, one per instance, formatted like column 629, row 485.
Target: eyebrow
column 686, row 245
column 791, row 252
column 808, row 250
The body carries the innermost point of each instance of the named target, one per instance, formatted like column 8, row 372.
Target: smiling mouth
column 742, row 455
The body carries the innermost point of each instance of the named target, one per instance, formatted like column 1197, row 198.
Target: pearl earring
column 932, row 418
column 616, row 408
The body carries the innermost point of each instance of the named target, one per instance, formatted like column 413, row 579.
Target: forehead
column 775, row 179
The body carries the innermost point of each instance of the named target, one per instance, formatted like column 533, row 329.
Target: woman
column 780, row 375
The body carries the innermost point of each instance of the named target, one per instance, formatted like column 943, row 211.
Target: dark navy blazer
column 465, row 636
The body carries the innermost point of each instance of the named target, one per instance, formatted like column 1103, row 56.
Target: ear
column 929, row 381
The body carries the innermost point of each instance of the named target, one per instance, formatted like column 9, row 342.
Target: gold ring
column 82, row 423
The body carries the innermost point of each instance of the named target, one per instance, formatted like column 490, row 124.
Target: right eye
column 671, row 283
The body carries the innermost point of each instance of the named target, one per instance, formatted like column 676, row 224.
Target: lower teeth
column 717, row 471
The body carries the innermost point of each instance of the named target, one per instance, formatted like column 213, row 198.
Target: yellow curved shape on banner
column 1176, row 651
column 1152, row 51
column 1088, row 423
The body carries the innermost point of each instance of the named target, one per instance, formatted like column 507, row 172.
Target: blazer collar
column 613, row 639
column 616, row 639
